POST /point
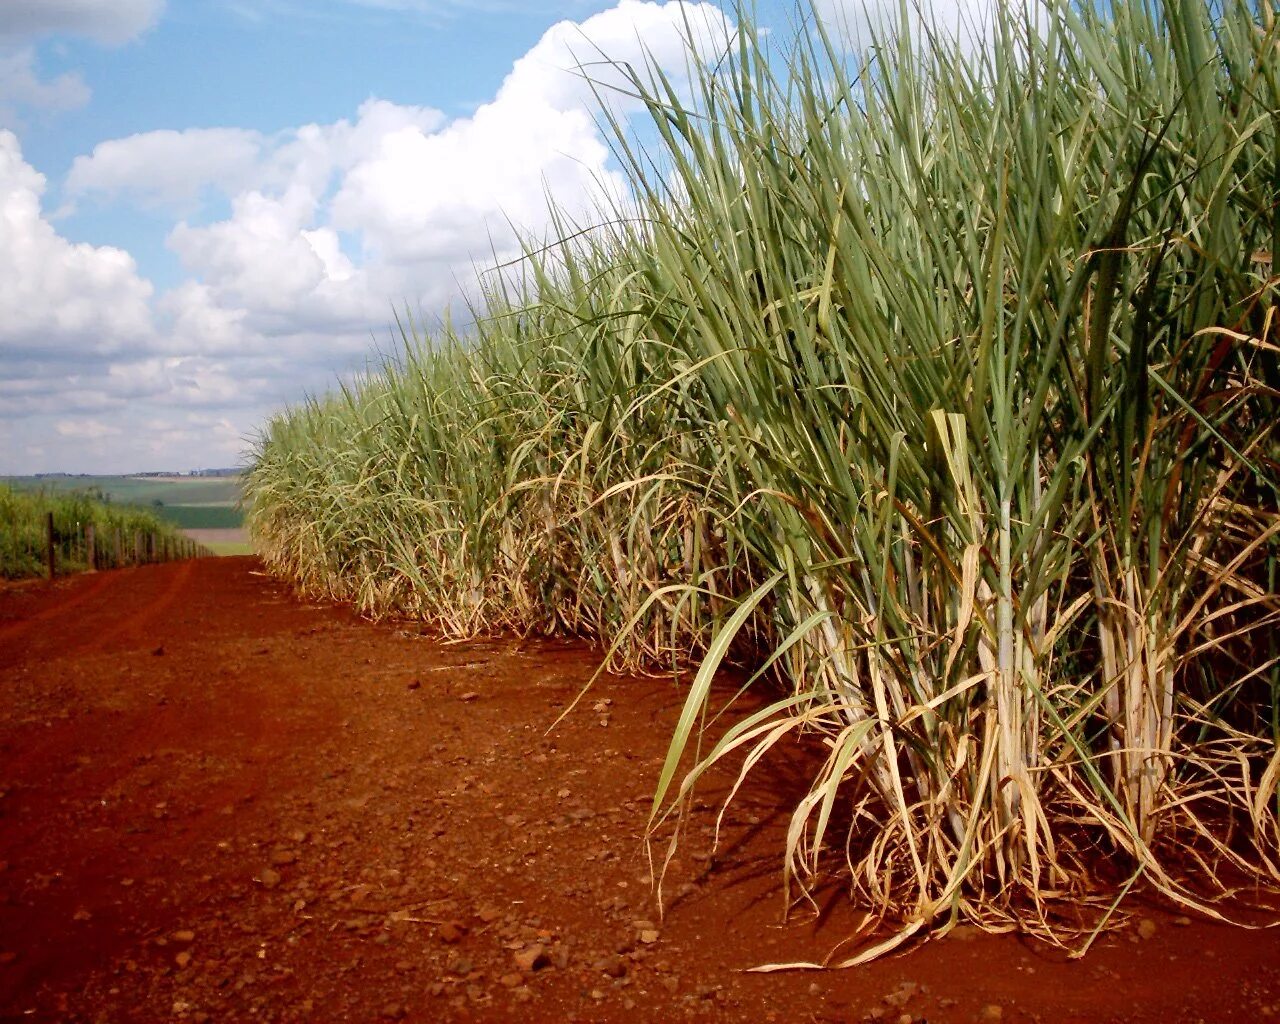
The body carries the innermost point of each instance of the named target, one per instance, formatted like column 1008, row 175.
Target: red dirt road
column 218, row 803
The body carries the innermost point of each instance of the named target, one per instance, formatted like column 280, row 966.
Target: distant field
column 222, row 541
column 202, row 517
column 186, row 501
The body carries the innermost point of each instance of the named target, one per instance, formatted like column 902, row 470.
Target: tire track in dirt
column 78, row 596
column 159, row 726
column 133, row 626
column 91, row 641
column 100, row 612
column 244, row 742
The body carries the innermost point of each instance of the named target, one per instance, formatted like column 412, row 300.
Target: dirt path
column 218, row 803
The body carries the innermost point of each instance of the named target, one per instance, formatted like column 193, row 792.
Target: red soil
column 220, row 803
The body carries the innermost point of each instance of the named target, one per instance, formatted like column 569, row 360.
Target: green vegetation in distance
column 939, row 392
column 223, row 548
column 202, row 517
column 211, row 502
column 24, row 534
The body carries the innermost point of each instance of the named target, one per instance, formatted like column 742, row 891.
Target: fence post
column 49, row 557
column 90, row 548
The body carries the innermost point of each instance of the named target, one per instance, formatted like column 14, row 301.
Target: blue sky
column 209, row 208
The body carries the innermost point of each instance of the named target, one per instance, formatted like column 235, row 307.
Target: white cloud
column 106, row 21
column 85, row 430
column 55, row 294
column 198, row 325
column 450, row 196
column 430, row 11
column 175, row 168
column 133, row 439
column 84, row 361
column 167, row 167
column 419, row 200
column 970, row 22
column 21, row 86
column 269, row 260
column 572, row 60
column 447, row 196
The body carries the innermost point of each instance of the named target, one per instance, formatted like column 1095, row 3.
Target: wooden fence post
column 49, row 557
column 90, row 548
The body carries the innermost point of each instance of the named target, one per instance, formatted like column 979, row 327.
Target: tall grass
column 941, row 391
column 24, row 533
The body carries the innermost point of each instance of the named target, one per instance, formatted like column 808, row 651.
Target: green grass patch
column 201, row 517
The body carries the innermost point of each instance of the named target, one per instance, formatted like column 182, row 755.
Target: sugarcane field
column 830, row 574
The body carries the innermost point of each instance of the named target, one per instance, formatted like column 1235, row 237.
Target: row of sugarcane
column 937, row 387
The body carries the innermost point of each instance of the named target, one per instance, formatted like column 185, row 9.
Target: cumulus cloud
column 268, row 261
column 90, row 357
column 56, row 294
column 349, row 219
column 448, row 196
column 132, row 439
column 971, row 23
column 573, row 61
column 112, row 22
column 174, row 168
column 330, row 227
column 167, row 167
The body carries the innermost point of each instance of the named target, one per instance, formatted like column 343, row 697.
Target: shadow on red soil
column 219, row 803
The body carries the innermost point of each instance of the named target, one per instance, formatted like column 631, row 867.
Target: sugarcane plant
column 934, row 385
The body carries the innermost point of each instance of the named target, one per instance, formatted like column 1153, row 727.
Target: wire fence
column 61, row 550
